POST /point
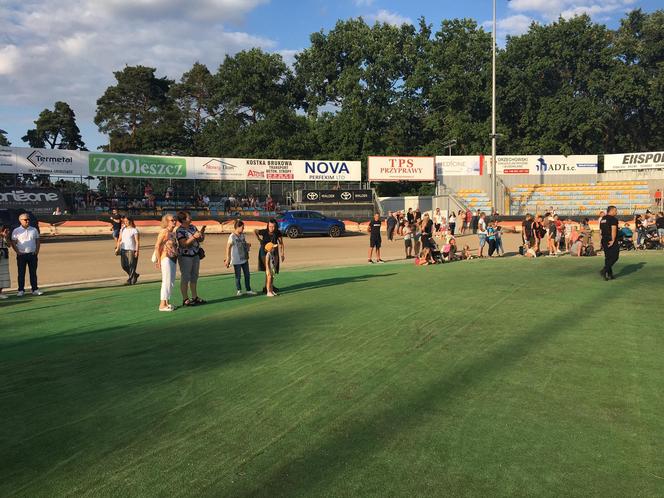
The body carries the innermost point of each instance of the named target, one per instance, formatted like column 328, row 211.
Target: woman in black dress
column 270, row 234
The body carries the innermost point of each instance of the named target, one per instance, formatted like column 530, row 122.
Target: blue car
column 297, row 223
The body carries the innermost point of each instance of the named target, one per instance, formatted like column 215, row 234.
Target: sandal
column 198, row 300
column 188, row 302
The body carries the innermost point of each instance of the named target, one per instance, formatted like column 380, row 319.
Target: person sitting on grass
column 466, row 254
column 576, row 249
column 270, row 268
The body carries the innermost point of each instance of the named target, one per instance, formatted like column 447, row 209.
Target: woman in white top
column 127, row 247
column 165, row 258
column 4, row 260
column 452, row 223
column 237, row 254
column 438, row 220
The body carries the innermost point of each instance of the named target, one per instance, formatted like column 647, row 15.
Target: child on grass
column 270, row 269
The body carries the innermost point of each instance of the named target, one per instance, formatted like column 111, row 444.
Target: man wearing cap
column 25, row 241
column 608, row 226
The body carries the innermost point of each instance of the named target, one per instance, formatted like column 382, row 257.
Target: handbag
column 201, row 253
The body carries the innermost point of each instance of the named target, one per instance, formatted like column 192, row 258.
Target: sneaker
column 170, row 307
column 371, row 262
column 380, row 261
column 4, row 296
column 238, row 293
column 271, row 294
column 135, row 279
column 37, row 292
column 20, row 294
column 251, row 293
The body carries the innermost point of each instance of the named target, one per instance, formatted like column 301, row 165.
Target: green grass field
column 483, row 378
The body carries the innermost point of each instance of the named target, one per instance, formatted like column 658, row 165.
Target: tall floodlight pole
column 494, row 169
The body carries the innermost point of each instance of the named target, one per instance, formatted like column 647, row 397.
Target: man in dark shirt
column 116, row 223
column 375, row 238
column 391, row 225
column 527, row 231
column 608, row 226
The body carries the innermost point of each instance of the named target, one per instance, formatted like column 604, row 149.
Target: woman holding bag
column 165, row 257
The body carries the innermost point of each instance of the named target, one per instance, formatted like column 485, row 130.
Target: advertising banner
column 41, row 201
column 634, row 161
column 401, row 169
column 298, row 170
column 459, row 166
column 546, row 165
column 133, row 166
column 336, row 196
column 45, row 161
column 213, row 168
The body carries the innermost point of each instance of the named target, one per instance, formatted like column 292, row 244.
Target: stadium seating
column 580, row 198
column 475, row 200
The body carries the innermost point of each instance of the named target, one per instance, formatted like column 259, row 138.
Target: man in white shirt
column 25, row 241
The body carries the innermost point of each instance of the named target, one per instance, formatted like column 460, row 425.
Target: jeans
column 499, row 245
column 168, row 269
column 129, row 261
column 29, row 260
column 239, row 269
column 611, row 255
column 492, row 246
column 640, row 236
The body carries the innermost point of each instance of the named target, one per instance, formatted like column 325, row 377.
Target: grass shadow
column 630, row 269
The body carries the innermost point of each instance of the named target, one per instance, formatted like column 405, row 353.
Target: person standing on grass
column 482, row 233
column 5, row 281
column 498, row 232
column 375, row 240
column 273, row 235
column 25, row 242
column 491, row 237
column 408, row 241
column 189, row 257
column 527, row 236
column 116, row 223
column 165, row 257
column 391, row 225
column 270, row 274
column 451, row 223
column 128, row 247
column 609, row 229
column 237, row 254
column 437, row 220
column 427, row 234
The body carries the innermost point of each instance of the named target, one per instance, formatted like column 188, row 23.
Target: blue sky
column 67, row 49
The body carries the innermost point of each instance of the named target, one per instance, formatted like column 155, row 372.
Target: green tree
column 637, row 85
column 195, row 99
column 138, row 114
column 553, row 88
column 55, row 129
column 4, row 141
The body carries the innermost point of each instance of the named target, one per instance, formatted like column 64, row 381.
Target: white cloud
column 68, row 49
column 551, row 9
column 385, row 16
column 513, row 25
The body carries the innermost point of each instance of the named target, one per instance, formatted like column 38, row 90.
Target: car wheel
column 335, row 231
column 293, row 232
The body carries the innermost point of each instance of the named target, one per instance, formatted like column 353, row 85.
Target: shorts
column 482, row 240
column 408, row 243
column 375, row 243
column 189, row 268
column 116, row 233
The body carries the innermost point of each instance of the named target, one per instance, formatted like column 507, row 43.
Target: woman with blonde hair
column 165, row 257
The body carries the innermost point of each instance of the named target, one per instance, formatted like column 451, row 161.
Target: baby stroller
column 625, row 242
column 435, row 252
column 651, row 239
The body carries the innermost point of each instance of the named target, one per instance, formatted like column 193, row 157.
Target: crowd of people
column 541, row 235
